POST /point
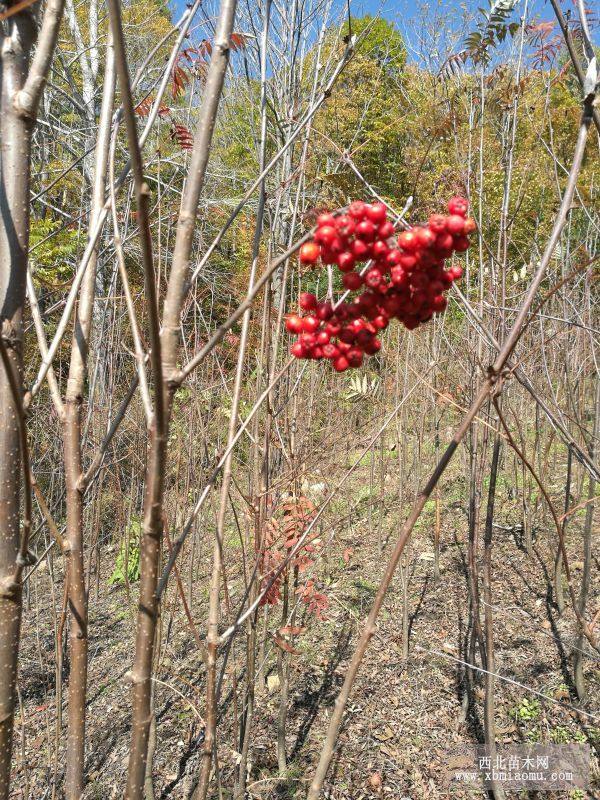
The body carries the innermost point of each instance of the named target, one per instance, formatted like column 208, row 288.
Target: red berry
column 325, row 219
column 444, row 241
column 310, row 324
column 391, row 303
column 328, row 256
column 357, row 210
column 425, row 237
column 373, row 277
column 345, row 225
column 324, row 311
column 408, row 262
column 399, row 277
column 377, row 213
column 309, row 253
column 333, row 327
column 439, row 303
column 341, row 311
column 337, row 245
column 458, row 205
column 293, row 324
column 329, row 252
column 418, row 280
column 408, row 241
column 427, row 259
column 298, row 350
column 352, row 281
column 386, row 230
column 340, row 364
column 393, row 257
column 366, row 230
column 360, row 250
column 346, row 261
column 438, row 267
column 373, row 346
column 407, row 281
column 326, row 235
column 368, row 300
column 437, row 223
column 330, row 351
column 461, row 243
column 354, row 309
column 380, row 249
column 418, row 298
column 307, row 301
column 363, row 338
column 355, row 357
column 358, row 325
column 455, row 224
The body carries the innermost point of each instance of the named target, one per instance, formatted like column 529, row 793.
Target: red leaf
column 292, row 630
column 145, row 107
column 285, row 645
column 237, row 40
column 183, row 136
column 204, row 48
column 179, row 80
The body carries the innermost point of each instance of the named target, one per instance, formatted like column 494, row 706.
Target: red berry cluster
column 405, row 278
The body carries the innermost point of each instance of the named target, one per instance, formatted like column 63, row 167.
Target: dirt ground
column 405, row 718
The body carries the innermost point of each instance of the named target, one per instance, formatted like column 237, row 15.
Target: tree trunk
column 15, row 143
column 78, row 622
column 489, row 723
column 578, row 676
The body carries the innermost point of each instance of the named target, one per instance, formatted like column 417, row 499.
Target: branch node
column 26, row 560
column 10, row 589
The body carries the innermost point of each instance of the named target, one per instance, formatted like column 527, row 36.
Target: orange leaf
column 285, row 645
column 179, row 79
column 292, row 630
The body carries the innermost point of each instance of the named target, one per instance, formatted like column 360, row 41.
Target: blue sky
column 404, row 13
column 409, row 15
column 399, row 10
